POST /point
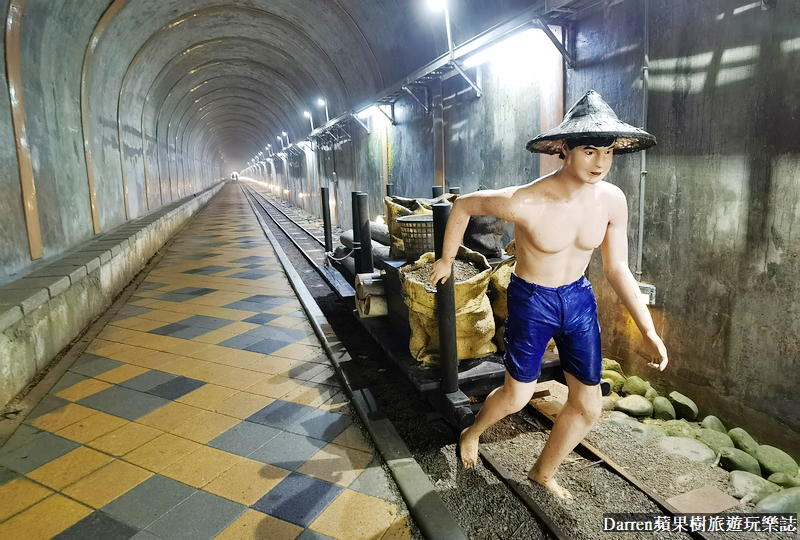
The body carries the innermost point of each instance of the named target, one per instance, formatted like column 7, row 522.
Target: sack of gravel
column 474, row 320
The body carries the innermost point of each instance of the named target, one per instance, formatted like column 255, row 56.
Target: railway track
column 304, row 244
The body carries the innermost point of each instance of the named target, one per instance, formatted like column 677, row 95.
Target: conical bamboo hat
column 592, row 117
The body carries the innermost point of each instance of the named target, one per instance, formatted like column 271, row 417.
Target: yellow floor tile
column 352, row 437
column 253, row 524
column 91, row 427
column 205, row 426
column 101, row 487
column 201, row 466
column 126, row 323
column 247, row 481
column 115, row 334
column 276, row 365
column 355, row 516
column 145, row 325
column 284, row 321
column 239, row 379
column 210, row 372
column 169, row 416
column 237, row 358
column 129, row 354
column 125, row 439
column 182, row 365
column 83, row 389
column 300, row 351
column 69, row 468
column 186, row 348
column 45, row 519
column 242, row 405
column 282, row 310
column 63, row 417
column 207, row 396
column 214, row 337
column 210, row 352
column 339, row 403
column 106, row 348
column 163, row 316
column 336, row 464
column 310, row 394
column 274, row 386
column 399, row 530
column 241, row 327
column 18, row 495
column 161, row 452
column 150, row 341
column 122, row 373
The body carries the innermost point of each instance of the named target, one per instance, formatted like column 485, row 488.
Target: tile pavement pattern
column 205, row 409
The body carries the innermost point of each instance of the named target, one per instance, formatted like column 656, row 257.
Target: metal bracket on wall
column 425, row 104
column 467, row 78
column 362, row 124
column 569, row 58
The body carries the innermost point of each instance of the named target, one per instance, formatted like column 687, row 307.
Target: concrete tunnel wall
column 180, row 94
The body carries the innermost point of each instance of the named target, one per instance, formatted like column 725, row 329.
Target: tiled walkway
column 205, row 409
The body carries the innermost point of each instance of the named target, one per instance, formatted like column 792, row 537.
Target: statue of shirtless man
column 559, row 220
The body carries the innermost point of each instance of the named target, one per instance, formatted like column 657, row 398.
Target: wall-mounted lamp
column 288, row 144
column 322, row 103
column 311, row 118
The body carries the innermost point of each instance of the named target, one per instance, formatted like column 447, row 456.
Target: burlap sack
column 500, row 278
column 474, row 319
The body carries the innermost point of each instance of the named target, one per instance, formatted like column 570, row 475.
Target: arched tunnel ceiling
column 225, row 78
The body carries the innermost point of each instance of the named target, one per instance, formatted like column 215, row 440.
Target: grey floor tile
column 272, row 301
column 212, row 323
column 248, row 306
column 96, row 367
column 199, row 517
column 307, row 370
column 190, row 332
column 286, row 335
column 265, row 346
column 98, row 525
column 177, row 387
column 244, row 438
column 144, row 535
column 168, row 329
column 321, row 425
column 253, row 259
column 308, row 534
column 262, row 318
column 50, row 403
column 124, row 402
column 148, row 380
column 239, row 342
column 298, row 499
column 374, row 481
column 87, row 357
column 280, row 414
column 30, row 448
column 148, row 501
column 175, row 297
column 6, row 475
column 287, row 451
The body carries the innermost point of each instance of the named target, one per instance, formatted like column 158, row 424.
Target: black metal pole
column 356, row 233
column 436, row 191
column 445, row 306
column 455, row 190
column 366, row 237
column 390, row 190
column 324, row 199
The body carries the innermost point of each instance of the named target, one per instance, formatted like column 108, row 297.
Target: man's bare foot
column 468, row 448
column 551, row 484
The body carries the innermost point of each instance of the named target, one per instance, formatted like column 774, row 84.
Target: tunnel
column 123, row 118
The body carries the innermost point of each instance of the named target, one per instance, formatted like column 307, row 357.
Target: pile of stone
column 759, row 474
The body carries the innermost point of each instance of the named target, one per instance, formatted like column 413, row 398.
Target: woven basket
column 417, row 231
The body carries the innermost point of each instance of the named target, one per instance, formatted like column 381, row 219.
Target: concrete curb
column 426, row 506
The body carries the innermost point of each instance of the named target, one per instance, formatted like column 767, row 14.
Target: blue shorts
column 568, row 314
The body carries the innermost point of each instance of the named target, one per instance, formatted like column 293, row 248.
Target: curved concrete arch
column 221, row 78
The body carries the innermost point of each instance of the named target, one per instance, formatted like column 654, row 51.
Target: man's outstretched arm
column 479, row 203
column 615, row 266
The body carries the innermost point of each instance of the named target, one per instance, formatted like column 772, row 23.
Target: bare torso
column 555, row 236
